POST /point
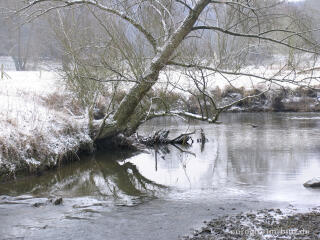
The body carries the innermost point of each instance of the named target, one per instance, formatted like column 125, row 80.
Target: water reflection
column 270, row 161
column 105, row 176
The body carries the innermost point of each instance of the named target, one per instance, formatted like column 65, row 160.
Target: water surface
column 167, row 191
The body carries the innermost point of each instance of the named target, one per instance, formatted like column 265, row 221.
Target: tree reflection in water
column 105, row 175
column 164, row 150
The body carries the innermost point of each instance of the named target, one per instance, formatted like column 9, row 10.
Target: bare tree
column 26, row 42
column 133, row 42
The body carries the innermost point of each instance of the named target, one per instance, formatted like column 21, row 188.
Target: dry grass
column 63, row 102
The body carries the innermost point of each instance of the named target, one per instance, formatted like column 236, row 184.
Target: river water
column 168, row 192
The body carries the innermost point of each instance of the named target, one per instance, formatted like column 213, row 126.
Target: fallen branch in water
column 161, row 137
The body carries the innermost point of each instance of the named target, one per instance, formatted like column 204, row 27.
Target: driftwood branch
column 161, row 137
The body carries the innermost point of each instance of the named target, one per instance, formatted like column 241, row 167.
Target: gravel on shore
column 266, row 224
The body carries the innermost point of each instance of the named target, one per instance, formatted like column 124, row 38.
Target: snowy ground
column 285, row 78
column 35, row 121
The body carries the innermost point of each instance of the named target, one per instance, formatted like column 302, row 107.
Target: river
column 250, row 161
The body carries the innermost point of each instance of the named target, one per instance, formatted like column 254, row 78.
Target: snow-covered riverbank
column 37, row 125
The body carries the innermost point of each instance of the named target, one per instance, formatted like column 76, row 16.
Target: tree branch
column 221, row 71
column 257, row 36
column 95, row 3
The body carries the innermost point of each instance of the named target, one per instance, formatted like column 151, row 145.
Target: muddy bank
column 281, row 100
column 263, row 224
column 18, row 167
column 276, row 100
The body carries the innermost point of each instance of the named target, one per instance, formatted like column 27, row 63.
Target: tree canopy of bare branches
column 129, row 44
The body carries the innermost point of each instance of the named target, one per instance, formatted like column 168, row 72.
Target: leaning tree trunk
column 128, row 105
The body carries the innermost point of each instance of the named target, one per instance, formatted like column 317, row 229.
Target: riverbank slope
column 40, row 124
